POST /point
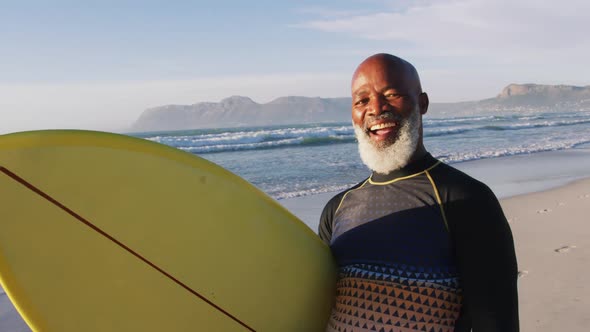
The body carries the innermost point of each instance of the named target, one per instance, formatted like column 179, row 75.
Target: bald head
column 393, row 68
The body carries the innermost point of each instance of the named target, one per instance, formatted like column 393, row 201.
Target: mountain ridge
column 237, row 111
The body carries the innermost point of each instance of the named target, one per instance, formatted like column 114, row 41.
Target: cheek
column 357, row 117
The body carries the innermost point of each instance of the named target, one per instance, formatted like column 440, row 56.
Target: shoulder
column 334, row 202
column 327, row 217
column 455, row 184
column 470, row 205
column 465, row 198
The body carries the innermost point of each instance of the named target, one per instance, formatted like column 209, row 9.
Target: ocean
column 302, row 160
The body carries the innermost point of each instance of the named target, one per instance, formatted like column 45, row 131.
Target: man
column 420, row 245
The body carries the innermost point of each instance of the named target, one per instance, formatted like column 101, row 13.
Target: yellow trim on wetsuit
column 440, row 205
column 343, row 197
column 392, row 181
column 402, row 178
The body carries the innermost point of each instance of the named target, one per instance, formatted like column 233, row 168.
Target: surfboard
column 107, row 232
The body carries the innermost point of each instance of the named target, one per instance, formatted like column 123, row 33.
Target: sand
column 547, row 202
column 10, row 321
column 552, row 236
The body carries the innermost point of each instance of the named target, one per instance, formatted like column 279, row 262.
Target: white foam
column 528, row 125
column 248, row 140
column 312, row 191
column 241, row 146
column 257, row 135
column 453, row 157
column 447, row 131
column 437, row 121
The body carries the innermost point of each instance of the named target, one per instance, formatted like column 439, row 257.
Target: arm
column 327, row 218
column 486, row 262
column 325, row 226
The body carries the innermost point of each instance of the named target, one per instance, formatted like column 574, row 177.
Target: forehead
column 380, row 75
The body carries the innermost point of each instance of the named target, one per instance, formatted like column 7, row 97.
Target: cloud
column 471, row 49
column 468, row 27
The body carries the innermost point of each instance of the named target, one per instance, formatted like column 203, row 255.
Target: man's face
column 382, row 97
column 387, row 105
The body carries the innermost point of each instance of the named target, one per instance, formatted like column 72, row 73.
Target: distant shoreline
column 507, row 176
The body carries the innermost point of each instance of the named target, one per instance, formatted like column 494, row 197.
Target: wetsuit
column 424, row 248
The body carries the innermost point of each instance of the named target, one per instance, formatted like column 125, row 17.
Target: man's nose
column 378, row 105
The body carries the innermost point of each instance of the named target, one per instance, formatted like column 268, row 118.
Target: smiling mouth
column 383, row 126
column 383, row 129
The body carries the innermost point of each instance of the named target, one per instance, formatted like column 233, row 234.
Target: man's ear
column 423, row 103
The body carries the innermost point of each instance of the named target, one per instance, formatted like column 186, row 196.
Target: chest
column 400, row 222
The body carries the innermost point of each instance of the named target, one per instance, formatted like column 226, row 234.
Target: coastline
column 507, row 176
column 546, row 198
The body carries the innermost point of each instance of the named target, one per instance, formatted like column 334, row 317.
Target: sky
column 100, row 64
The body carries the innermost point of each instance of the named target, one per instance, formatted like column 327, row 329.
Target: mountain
column 541, row 95
column 236, row 111
column 521, row 97
column 239, row 111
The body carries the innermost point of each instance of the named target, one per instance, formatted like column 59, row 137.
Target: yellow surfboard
column 105, row 232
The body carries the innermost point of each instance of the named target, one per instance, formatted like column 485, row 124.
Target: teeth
column 382, row 126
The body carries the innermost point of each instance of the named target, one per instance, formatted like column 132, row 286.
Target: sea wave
column 308, row 192
column 451, row 158
column 332, row 159
column 434, row 132
column 455, row 157
column 442, row 121
column 299, row 141
column 530, row 125
column 248, row 139
column 447, row 132
column 484, row 127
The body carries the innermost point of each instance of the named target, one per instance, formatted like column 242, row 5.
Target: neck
column 416, row 165
column 418, row 154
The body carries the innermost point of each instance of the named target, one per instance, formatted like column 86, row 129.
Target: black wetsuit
column 424, row 248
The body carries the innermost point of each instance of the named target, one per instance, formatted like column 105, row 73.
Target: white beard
column 388, row 158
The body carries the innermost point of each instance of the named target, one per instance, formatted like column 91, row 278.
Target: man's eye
column 362, row 101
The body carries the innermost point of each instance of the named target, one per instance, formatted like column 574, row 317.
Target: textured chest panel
column 373, row 202
column 398, row 222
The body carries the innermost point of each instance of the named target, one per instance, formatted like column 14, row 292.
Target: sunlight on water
column 300, row 160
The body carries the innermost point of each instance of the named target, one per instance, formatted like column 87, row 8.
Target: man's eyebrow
column 360, row 92
column 387, row 88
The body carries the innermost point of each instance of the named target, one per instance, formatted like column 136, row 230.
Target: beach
column 546, row 199
column 552, row 239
